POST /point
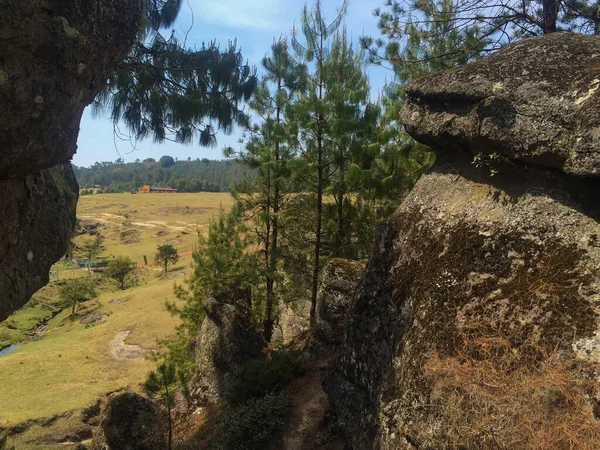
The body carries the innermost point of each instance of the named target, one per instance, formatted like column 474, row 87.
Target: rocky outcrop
column 55, row 57
column 536, row 101
column 130, row 422
column 337, row 289
column 228, row 338
column 477, row 324
column 38, row 213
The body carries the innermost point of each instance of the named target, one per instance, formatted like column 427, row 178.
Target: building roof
column 163, row 188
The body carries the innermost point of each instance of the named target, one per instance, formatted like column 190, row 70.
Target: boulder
column 338, row 286
column 55, row 57
column 536, row 101
column 34, row 209
column 227, row 339
column 131, row 422
column 477, row 322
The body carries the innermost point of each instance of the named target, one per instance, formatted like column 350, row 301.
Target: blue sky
column 254, row 23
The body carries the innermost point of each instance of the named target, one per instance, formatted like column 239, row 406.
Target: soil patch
column 122, row 351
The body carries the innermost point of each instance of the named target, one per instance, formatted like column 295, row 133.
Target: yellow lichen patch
column 594, row 85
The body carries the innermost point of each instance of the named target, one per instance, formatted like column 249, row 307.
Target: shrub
column 259, row 377
column 256, row 424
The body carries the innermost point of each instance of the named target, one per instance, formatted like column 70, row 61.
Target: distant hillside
column 187, row 176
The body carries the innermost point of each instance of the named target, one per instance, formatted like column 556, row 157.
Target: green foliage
column 166, row 161
column 256, row 425
column 315, row 168
column 93, row 248
column 119, row 269
column 268, row 154
column 220, row 262
column 165, row 90
column 431, row 35
column 486, row 160
column 76, row 291
column 260, row 377
column 166, row 254
column 160, row 383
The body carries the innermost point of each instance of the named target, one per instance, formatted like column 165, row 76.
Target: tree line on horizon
column 198, row 175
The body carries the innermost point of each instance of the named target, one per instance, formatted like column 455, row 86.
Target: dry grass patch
column 493, row 395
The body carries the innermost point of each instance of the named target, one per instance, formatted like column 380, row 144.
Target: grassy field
column 73, row 363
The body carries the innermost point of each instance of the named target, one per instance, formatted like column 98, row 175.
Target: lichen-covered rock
column 228, row 338
column 338, row 286
column 477, row 322
column 536, row 101
column 55, row 56
column 131, row 422
column 38, row 214
column 294, row 321
column 460, row 262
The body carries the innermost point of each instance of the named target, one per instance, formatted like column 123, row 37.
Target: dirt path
column 308, row 408
column 122, row 351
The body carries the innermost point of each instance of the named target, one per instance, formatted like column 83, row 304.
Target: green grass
column 72, row 364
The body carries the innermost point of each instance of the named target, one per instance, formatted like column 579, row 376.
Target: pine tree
column 351, row 132
column 270, row 146
column 166, row 254
column 220, row 263
column 310, row 111
column 160, row 383
column 455, row 31
column 167, row 91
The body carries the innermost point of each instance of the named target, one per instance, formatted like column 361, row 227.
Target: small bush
column 260, row 377
column 256, row 424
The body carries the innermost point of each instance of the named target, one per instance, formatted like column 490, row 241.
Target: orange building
column 155, row 190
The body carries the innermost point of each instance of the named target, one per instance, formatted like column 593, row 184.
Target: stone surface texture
column 228, row 338
column 55, row 57
column 338, row 286
column 535, row 101
column 130, row 422
column 472, row 262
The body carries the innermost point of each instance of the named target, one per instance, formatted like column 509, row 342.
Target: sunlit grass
column 72, row 364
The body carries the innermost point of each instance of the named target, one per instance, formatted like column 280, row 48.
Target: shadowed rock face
column 55, row 56
column 228, row 338
column 536, row 101
column 477, row 278
column 38, row 213
column 338, row 285
column 130, row 422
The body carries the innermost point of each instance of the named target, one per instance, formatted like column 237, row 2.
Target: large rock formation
column 227, row 339
column 131, row 422
column 55, row 57
column 477, row 321
column 535, row 101
column 338, row 285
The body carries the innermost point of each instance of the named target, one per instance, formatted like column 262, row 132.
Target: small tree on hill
column 93, row 248
column 119, row 268
column 75, row 292
column 165, row 255
column 158, row 383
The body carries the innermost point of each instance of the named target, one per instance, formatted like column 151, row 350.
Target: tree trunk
column 550, row 11
column 317, row 262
